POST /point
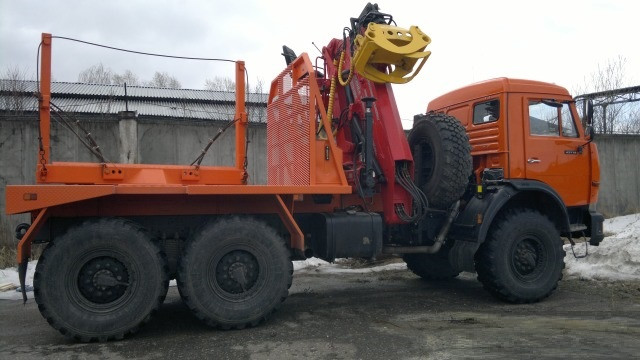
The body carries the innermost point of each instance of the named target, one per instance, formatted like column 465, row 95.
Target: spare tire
column 442, row 158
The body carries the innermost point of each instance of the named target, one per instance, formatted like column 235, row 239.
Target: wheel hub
column 103, row 280
column 237, row 272
column 526, row 258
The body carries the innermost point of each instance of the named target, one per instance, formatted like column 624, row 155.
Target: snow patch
column 10, row 275
column 340, row 266
column 617, row 257
column 309, row 264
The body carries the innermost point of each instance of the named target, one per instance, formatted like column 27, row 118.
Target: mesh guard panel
column 288, row 133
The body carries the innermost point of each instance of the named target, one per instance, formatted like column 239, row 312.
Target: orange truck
column 488, row 180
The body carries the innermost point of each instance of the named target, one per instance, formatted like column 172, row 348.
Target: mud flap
column 25, row 233
column 22, row 274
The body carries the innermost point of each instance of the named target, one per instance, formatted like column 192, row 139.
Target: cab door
column 554, row 149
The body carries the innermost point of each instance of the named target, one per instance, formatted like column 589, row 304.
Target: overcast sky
column 554, row 41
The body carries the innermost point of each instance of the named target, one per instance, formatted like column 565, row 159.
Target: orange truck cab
column 529, row 150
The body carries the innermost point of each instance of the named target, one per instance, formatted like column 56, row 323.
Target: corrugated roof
column 107, row 99
column 67, row 88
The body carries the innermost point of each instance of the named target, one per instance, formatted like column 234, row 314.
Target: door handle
column 533, row 160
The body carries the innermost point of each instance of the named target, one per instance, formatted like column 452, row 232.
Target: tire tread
column 55, row 322
column 487, row 258
column 456, row 156
column 278, row 246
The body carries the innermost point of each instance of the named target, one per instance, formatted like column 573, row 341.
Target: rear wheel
column 101, row 280
column 235, row 273
column 442, row 157
column 522, row 258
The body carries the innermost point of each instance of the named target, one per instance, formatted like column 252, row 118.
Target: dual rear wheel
column 101, row 280
column 104, row 278
column 235, row 273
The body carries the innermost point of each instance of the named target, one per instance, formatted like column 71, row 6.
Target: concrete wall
column 165, row 141
column 619, row 174
column 177, row 142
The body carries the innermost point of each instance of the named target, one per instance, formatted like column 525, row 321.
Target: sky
column 561, row 42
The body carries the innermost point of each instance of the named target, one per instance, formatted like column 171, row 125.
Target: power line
column 142, row 52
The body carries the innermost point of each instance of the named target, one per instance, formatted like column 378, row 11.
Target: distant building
column 105, row 101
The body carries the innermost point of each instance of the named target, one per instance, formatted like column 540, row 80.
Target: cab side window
column 547, row 117
column 543, row 119
column 485, row 112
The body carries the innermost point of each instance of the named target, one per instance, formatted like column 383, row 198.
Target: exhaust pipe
column 431, row 249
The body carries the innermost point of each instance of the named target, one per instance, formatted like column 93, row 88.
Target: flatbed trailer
column 68, row 189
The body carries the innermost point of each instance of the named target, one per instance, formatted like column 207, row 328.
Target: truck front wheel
column 522, row 259
column 234, row 273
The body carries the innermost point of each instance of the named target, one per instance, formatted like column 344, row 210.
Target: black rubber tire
column 522, row 259
column 67, row 305
column 430, row 267
column 445, row 155
column 219, row 302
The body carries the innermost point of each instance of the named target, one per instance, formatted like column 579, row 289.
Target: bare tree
column 613, row 117
column 13, row 90
column 164, row 80
column 100, row 74
column 256, row 113
column 220, row 84
column 127, row 77
column 96, row 74
column 259, row 87
column 629, row 119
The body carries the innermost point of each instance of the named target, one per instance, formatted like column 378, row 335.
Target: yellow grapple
column 398, row 48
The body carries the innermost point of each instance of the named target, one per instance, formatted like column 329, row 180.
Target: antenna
column 314, row 44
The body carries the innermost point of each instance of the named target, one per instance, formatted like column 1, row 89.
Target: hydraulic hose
column 344, row 83
column 332, row 93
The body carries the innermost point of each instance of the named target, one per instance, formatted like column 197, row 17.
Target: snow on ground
column 341, row 266
column 10, row 275
column 617, row 258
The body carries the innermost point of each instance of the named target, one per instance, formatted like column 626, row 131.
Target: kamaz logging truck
column 489, row 179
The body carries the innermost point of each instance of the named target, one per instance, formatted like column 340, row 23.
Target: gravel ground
column 378, row 315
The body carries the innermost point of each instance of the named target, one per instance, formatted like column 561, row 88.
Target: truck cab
column 529, row 151
column 529, row 129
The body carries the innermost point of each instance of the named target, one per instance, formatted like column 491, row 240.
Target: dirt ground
column 385, row 315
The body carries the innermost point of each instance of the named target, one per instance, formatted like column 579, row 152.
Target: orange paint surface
column 563, row 162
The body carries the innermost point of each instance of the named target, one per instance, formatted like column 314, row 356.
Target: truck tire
column 522, row 259
column 430, row 266
column 442, row 155
column 234, row 273
column 101, row 280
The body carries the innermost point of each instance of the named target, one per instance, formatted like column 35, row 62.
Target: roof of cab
column 492, row 87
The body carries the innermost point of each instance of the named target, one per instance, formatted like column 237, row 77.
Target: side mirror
column 589, row 133
column 588, row 130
